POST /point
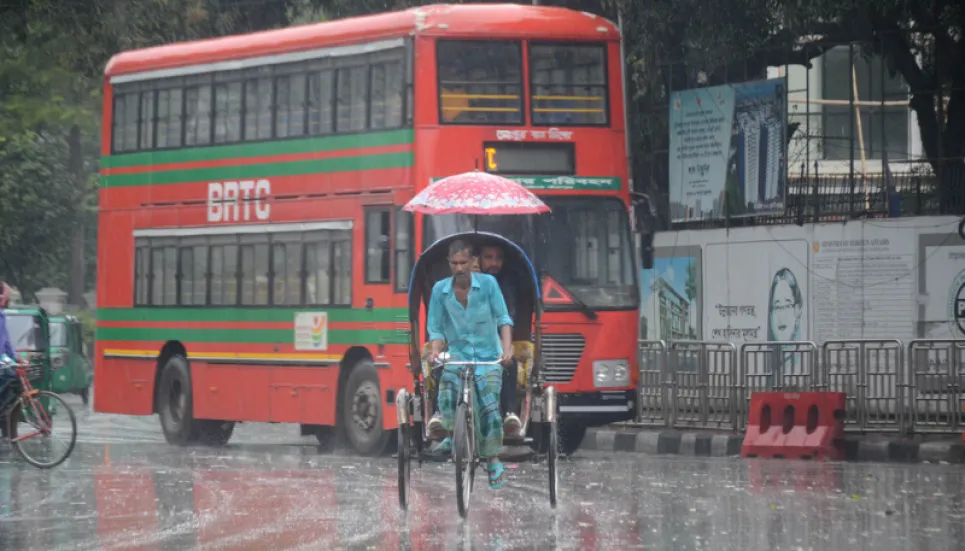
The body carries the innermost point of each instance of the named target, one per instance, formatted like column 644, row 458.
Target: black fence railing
column 839, row 197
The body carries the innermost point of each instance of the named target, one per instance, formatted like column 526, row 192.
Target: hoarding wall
column 883, row 278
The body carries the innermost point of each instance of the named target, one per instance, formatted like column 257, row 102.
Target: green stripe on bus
column 262, row 315
column 248, row 336
column 258, row 149
column 293, row 168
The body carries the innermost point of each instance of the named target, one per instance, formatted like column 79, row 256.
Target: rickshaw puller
column 468, row 311
column 490, row 261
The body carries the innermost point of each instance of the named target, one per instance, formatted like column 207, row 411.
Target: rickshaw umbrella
column 477, row 193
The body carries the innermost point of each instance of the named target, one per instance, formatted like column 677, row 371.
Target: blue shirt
column 6, row 347
column 477, row 325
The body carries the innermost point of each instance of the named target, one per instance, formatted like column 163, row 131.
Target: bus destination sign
column 529, row 158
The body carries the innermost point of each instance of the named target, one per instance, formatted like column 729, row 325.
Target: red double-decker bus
column 253, row 255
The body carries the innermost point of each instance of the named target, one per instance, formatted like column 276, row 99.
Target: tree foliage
column 52, row 57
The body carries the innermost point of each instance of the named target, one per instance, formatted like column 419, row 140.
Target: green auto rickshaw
column 69, row 364
column 54, row 347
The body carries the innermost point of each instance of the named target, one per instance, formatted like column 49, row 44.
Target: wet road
column 125, row 489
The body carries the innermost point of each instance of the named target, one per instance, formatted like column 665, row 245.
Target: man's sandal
column 496, row 478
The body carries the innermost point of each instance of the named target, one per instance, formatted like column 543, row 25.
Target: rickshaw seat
column 522, row 350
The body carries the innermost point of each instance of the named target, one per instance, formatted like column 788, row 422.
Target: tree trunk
column 952, row 179
column 75, row 168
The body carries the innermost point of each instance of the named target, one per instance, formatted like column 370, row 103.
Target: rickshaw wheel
column 552, row 454
column 464, row 459
column 405, row 466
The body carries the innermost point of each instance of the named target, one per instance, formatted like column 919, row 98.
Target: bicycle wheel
column 464, row 458
column 552, row 455
column 405, row 467
column 42, row 439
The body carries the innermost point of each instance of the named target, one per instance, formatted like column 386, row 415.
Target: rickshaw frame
column 538, row 405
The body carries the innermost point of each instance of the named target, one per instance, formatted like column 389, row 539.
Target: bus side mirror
column 646, row 250
column 643, row 225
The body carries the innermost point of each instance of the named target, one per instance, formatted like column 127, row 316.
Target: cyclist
column 468, row 311
column 7, row 354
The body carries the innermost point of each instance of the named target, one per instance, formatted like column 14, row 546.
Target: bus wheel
column 214, row 433
column 362, row 410
column 571, row 436
column 84, row 394
column 174, row 402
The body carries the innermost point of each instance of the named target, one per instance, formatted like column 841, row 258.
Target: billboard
column 728, row 140
column 900, row 278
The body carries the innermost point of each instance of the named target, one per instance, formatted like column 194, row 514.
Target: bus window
column 568, row 84
column 480, row 82
column 377, row 252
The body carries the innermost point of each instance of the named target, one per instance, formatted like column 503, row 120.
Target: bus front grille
column 561, row 355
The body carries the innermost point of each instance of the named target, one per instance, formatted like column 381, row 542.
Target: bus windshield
column 515, row 228
column 585, row 246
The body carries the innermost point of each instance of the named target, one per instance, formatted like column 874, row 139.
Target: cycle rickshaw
column 537, row 403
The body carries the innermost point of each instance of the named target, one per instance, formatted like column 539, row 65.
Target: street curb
column 706, row 444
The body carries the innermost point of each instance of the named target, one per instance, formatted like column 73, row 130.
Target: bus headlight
column 610, row 373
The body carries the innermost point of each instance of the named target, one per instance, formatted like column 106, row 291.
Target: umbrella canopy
column 476, row 193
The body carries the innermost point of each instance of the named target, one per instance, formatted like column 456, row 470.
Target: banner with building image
column 728, row 142
column 670, row 295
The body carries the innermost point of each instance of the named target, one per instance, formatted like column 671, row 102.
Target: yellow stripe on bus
column 499, row 109
column 479, row 96
column 568, row 110
column 570, row 98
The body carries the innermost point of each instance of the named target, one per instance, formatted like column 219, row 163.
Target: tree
column 52, row 55
column 35, row 211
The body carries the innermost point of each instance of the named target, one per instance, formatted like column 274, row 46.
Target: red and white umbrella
column 476, row 193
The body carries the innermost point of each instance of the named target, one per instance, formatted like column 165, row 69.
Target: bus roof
column 455, row 20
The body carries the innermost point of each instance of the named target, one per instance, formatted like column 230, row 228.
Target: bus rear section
column 254, row 257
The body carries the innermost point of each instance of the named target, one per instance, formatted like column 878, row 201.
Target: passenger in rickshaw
column 491, row 258
column 468, row 311
column 490, row 261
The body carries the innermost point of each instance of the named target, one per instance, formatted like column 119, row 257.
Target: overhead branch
column 892, row 42
column 784, row 48
column 926, row 21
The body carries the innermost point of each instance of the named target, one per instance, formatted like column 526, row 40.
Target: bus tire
column 174, row 401
column 362, row 410
column 84, row 394
column 214, row 433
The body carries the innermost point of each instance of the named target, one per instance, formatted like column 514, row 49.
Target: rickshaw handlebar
column 496, row 362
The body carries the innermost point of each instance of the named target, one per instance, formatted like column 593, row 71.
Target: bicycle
column 29, row 409
column 464, row 451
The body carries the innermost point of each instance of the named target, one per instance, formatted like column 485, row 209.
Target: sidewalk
column 858, row 447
